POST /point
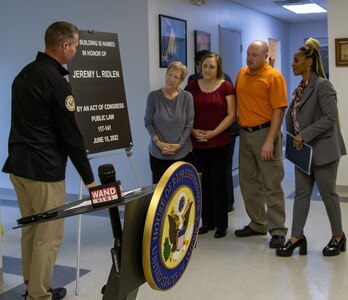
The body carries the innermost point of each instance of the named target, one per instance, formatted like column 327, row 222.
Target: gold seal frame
column 171, row 226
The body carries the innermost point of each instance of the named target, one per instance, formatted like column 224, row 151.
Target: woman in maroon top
column 215, row 111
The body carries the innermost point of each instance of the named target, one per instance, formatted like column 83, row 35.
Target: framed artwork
column 341, row 46
column 172, row 40
column 202, row 41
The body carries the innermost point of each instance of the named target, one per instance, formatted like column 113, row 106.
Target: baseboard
column 342, row 190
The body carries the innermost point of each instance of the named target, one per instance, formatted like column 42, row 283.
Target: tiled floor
column 227, row 268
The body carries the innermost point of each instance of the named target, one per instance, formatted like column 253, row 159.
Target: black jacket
column 44, row 132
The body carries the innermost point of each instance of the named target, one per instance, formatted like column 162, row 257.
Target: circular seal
column 171, row 226
column 70, row 103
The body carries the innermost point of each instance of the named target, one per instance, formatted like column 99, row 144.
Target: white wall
column 298, row 32
column 23, row 24
column 22, row 27
column 208, row 17
column 337, row 28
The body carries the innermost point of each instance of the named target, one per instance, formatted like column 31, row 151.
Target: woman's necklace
column 306, row 80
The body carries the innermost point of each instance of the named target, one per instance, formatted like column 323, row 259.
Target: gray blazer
column 318, row 120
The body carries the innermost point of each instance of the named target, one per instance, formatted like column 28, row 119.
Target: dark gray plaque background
column 97, row 81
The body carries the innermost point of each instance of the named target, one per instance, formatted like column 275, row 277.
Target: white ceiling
column 271, row 8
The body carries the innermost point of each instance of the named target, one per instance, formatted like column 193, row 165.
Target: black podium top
column 81, row 207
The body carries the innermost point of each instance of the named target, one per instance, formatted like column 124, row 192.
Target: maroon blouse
column 210, row 110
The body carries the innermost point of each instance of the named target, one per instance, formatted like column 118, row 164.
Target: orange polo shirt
column 259, row 94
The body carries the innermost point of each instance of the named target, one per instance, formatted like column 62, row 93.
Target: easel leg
column 129, row 154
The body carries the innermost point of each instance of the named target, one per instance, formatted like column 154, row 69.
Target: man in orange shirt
column 262, row 100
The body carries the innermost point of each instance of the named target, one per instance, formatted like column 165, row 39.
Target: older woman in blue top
column 169, row 119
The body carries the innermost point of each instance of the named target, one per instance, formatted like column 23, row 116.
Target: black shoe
column 289, row 248
column 247, row 231
column 277, row 241
column 58, row 293
column 219, row 233
column 204, row 229
column 334, row 247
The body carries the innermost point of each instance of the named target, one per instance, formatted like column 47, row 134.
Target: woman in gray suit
column 313, row 118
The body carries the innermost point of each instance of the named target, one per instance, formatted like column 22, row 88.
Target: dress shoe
column 219, row 233
column 204, row 229
column 247, row 231
column 335, row 247
column 57, row 294
column 277, row 241
column 289, row 248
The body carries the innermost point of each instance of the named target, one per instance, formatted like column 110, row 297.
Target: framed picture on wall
column 341, row 46
column 202, row 40
column 172, row 40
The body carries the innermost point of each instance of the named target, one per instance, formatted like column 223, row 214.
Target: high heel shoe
column 289, row 248
column 334, row 247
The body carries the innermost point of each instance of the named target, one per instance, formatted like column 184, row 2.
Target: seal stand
column 126, row 273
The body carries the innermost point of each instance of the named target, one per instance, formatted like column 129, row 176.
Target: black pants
column 212, row 164
column 229, row 177
column 159, row 166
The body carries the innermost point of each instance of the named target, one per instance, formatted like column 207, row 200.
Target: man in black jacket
column 43, row 135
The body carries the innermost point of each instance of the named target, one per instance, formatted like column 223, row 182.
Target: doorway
column 274, row 55
column 230, row 43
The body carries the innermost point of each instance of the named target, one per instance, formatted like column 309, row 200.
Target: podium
column 125, row 283
column 159, row 234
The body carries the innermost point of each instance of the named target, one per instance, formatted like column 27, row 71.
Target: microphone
column 109, row 191
column 107, row 174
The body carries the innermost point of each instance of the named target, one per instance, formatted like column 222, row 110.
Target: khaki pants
column 41, row 242
column 260, row 183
